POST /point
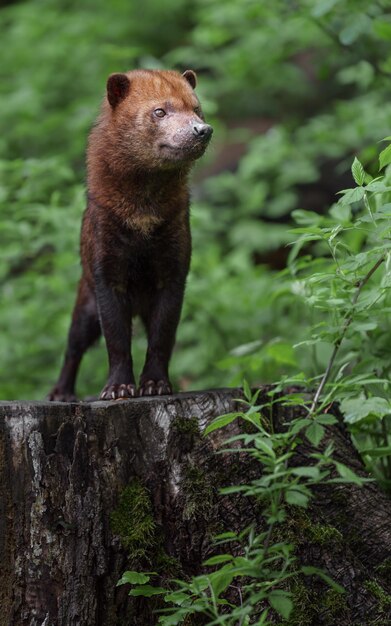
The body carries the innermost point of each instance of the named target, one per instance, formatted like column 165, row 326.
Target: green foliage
column 134, row 578
column 258, row 564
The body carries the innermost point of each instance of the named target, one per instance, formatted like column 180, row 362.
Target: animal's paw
column 118, row 391
column 59, row 395
column 155, row 388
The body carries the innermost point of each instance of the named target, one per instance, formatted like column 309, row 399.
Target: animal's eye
column 159, row 112
column 197, row 111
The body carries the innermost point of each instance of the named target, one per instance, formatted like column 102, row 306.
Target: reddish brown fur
column 135, row 242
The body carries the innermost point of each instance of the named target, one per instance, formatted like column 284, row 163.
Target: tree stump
column 89, row 490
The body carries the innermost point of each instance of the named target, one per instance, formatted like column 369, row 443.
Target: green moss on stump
column 308, row 604
column 303, row 605
column 324, row 534
column 300, row 528
column 133, row 521
column 186, row 425
column 384, row 571
column 335, row 605
column 198, row 492
column 166, row 565
column 383, row 598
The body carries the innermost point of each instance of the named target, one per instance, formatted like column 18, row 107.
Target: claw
column 155, row 388
column 118, row 391
column 131, row 390
column 60, row 396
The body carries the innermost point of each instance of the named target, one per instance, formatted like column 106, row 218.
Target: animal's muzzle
column 202, row 131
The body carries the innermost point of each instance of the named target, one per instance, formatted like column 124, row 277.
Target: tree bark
column 89, row 490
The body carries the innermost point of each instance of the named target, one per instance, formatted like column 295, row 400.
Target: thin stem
column 268, row 537
column 241, row 604
column 346, row 324
column 213, row 597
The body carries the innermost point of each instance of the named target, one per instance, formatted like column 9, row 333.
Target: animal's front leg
column 161, row 321
column 115, row 313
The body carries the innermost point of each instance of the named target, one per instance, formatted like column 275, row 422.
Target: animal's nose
column 203, row 131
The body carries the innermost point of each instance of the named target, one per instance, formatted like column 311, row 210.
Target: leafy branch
column 339, row 340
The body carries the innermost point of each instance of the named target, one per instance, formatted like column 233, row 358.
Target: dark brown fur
column 135, row 240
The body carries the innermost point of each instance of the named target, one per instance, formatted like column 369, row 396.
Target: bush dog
column 135, row 237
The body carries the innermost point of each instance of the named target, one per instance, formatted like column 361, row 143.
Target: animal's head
column 155, row 119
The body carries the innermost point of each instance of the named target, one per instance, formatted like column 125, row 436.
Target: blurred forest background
column 294, row 89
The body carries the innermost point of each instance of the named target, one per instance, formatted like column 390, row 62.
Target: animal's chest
column 144, row 263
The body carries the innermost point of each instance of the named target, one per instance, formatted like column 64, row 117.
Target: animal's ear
column 117, row 88
column 191, row 78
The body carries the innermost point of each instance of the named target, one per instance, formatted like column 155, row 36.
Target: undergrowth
column 348, row 281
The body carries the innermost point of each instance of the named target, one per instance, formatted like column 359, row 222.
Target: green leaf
column 377, row 186
column 177, row 597
column 308, row 472
column 216, row 560
column 306, row 218
column 281, row 602
column 357, row 25
column 385, row 157
column 342, row 213
column 382, row 28
column 350, row 196
column 147, row 591
column 220, row 422
column 326, row 419
column 299, row 424
column 358, row 172
column 322, row 7
column 234, row 489
column 357, row 409
column 347, row 474
column 134, row 578
column 262, row 620
column 377, row 453
column 247, row 348
column 296, row 497
column 199, row 583
column 282, row 353
column 314, row 433
column 247, row 390
column 221, row 579
column 266, row 446
column 174, row 620
column 309, row 570
column 228, row 535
